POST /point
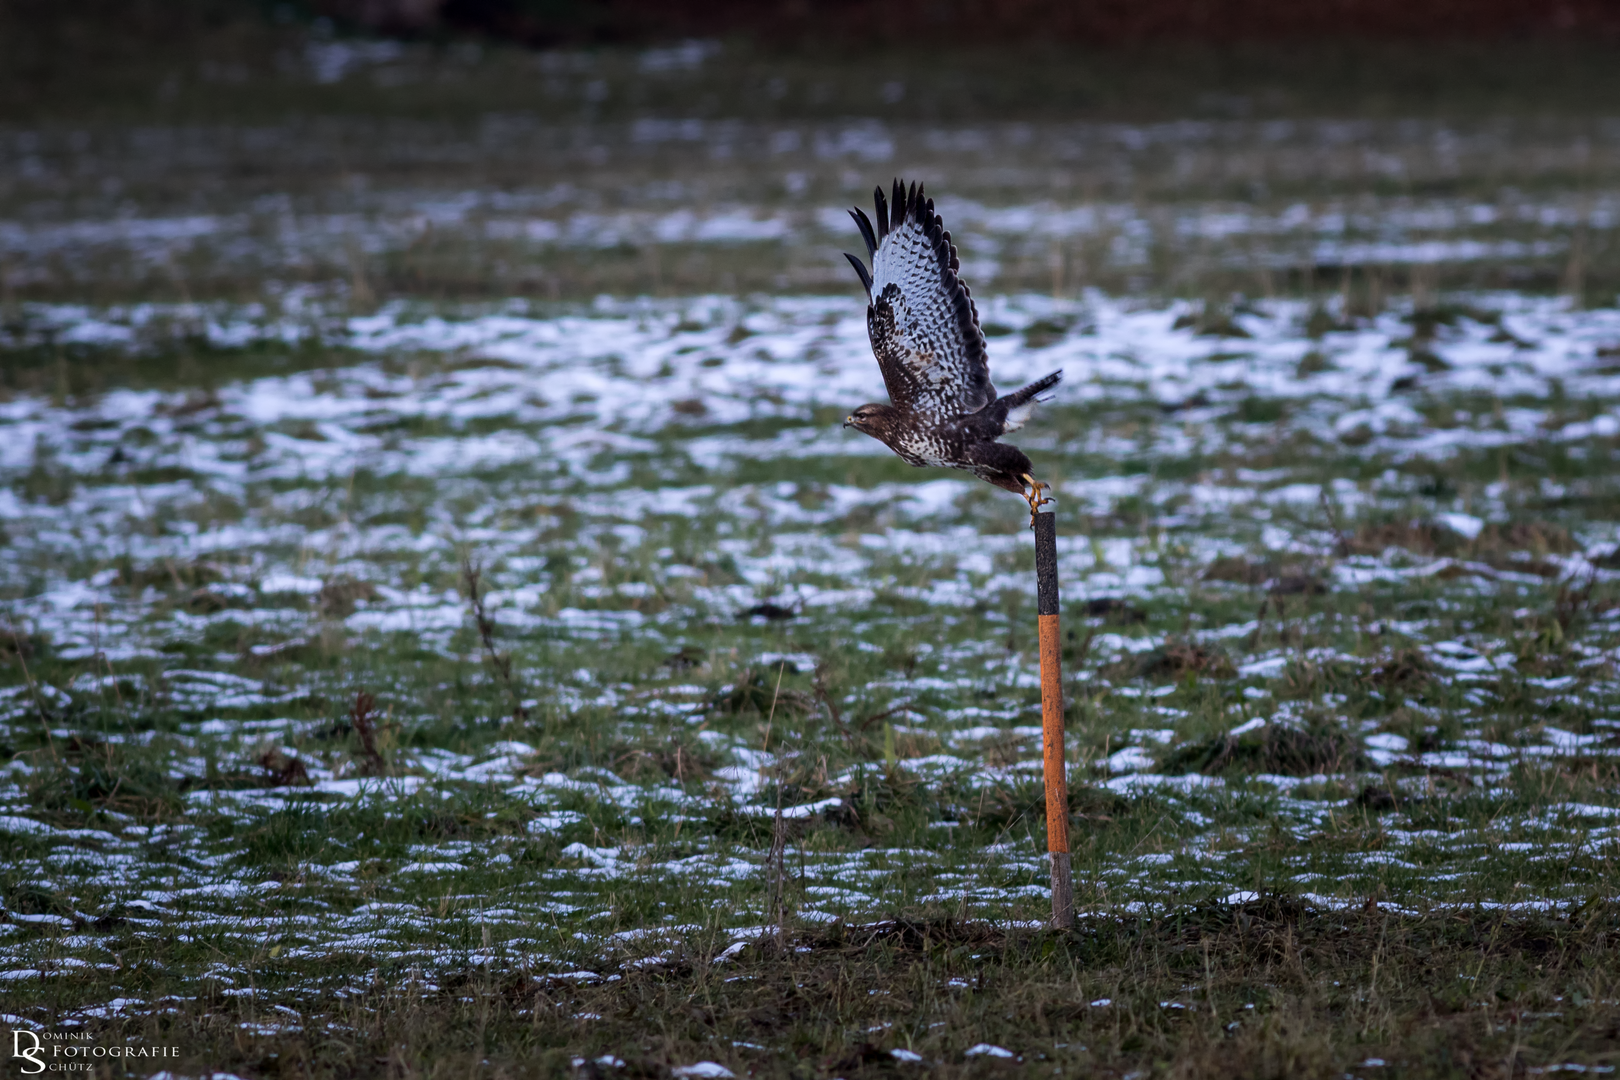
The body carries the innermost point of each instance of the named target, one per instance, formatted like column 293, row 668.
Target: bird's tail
column 1034, row 389
column 1021, row 403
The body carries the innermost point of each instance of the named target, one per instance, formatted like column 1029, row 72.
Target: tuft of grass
column 1174, row 662
column 1319, row 747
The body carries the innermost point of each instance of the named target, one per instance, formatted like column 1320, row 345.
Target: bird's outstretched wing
column 920, row 317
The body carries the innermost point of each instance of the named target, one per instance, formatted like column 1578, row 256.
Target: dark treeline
column 1096, row 22
column 206, row 60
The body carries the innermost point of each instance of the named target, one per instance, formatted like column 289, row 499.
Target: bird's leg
column 1036, row 497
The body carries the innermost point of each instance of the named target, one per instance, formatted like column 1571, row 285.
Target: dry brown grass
column 1175, row 661
column 1268, row 988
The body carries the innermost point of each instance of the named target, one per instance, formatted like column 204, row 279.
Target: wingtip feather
column 863, row 223
column 860, row 269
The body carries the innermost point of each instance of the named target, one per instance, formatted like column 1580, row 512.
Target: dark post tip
column 1046, row 582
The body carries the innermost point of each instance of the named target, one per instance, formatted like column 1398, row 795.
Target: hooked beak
column 849, row 421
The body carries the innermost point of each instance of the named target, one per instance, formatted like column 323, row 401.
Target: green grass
column 1195, row 991
column 446, row 174
column 244, row 470
column 404, row 887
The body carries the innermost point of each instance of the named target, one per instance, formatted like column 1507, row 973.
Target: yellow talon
column 1036, row 497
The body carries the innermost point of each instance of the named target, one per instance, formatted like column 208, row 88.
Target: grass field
column 431, row 559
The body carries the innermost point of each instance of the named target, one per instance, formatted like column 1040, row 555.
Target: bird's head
column 865, row 418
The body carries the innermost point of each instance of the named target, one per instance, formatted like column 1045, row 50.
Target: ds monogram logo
column 30, row 1051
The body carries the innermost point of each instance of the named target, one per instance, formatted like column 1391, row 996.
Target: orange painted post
column 1057, row 779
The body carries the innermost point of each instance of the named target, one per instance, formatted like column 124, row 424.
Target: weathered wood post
column 1057, row 780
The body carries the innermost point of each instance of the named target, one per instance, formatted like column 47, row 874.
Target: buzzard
column 925, row 334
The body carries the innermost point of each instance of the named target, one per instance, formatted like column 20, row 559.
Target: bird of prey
column 943, row 411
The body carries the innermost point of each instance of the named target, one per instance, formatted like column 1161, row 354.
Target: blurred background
column 474, row 149
column 422, row 494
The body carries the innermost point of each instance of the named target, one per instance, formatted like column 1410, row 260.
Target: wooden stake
column 1057, row 780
